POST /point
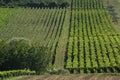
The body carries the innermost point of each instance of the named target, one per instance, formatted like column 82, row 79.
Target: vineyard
column 42, row 26
column 94, row 44
column 81, row 37
column 4, row 18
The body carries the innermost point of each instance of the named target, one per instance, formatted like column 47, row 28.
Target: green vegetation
column 13, row 78
column 115, row 12
column 4, row 18
column 62, row 43
column 21, row 54
column 47, row 33
column 93, row 42
column 34, row 3
column 45, row 27
column 13, row 73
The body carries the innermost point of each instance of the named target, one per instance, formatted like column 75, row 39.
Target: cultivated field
column 44, row 26
column 94, row 44
column 82, row 37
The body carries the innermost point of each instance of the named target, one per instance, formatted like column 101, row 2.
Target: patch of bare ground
column 74, row 77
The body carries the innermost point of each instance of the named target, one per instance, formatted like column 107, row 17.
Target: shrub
column 19, row 53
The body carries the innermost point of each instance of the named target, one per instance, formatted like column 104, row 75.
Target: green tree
column 39, row 58
column 3, row 50
column 21, row 54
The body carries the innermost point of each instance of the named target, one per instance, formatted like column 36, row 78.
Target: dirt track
column 73, row 77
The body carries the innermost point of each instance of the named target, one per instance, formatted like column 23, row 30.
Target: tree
column 35, row 3
column 3, row 50
column 14, row 54
column 39, row 58
column 19, row 53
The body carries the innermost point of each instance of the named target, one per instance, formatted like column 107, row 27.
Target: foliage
column 35, row 3
column 93, row 44
column 4, row 19
column 21, row 54
column 39, row 58
column 13, row 73
column 41, row 26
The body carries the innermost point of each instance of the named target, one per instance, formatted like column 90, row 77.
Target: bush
column 65, row 4
column 52, row 4
column 21, row 54
column 35, row 3
column 12, row 73
column 39, row 58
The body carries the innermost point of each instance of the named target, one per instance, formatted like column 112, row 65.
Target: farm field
column 82, row 37
column 94, row 44
column 45, row 27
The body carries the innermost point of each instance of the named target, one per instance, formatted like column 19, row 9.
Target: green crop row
column 87, row 4
column 42, row 26
column 12, row 73
column 4, row 18
column 93, row 41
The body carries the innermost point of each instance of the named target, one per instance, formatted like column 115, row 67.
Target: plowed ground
column 74, row 77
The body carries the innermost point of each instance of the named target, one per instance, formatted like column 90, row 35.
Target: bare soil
column 74, row 77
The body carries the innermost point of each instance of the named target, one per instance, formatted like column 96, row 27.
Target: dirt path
column 62, row 43
column 74, row 77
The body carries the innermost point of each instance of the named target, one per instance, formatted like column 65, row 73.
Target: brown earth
column 74, row 77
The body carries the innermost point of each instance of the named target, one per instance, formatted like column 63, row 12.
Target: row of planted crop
column 57, row 33
column 75, row 26
column 41, row 25
column 56, row 29
column 87, row 4
column 93, row 42
column 74, row 32
column 41, row 20
column 92, row 23
column 25, row 17
column 13, row 73
column 93, row 52
column 4, row 18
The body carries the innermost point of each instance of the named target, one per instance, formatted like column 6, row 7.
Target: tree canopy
column 21, row 54
column 35, row 3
